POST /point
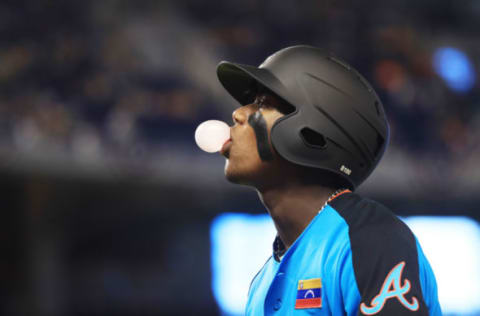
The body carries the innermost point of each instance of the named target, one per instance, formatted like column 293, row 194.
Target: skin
column 291, row 202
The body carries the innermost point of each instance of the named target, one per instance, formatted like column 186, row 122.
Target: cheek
column 244, row 145
column 244, row 155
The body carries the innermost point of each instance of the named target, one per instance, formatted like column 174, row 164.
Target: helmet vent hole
column 312, row 138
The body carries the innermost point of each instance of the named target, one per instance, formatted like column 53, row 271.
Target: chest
column 307, row 280
column 305, row 285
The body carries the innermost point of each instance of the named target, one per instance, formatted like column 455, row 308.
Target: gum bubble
column 211, row 135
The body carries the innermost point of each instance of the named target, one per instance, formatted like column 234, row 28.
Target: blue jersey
column 354, row 258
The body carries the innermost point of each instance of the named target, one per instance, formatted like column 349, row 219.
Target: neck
column 293, row 207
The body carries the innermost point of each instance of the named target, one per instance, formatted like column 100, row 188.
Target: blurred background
column 109, row 208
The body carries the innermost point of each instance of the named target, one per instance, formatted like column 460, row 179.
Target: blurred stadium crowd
column 104, row 86
column 93, row 79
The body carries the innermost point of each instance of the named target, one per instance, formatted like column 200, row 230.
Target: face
column 244, row 163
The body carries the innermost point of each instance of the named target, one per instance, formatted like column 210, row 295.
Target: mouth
column 225, row 151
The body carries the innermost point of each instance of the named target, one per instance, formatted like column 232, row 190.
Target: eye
column 261, row 102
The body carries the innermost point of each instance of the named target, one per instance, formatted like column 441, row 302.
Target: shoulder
column 367, row 219
column 376, row 234
column 384, row 252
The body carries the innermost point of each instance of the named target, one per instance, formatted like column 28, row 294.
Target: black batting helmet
column 338, row 125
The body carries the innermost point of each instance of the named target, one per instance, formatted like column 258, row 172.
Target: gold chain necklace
column 333, row 196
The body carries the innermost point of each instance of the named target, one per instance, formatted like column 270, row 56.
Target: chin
column 238, row 176
column 233, row 178
column 231, row 174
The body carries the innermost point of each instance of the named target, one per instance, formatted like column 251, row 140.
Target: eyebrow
column 278, row 103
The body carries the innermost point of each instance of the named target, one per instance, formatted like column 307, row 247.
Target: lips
column 226, row 148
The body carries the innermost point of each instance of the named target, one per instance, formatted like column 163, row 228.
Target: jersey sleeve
column 383, row 275
column 428, row 283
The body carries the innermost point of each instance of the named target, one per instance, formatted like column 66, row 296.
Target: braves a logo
column 391, row 288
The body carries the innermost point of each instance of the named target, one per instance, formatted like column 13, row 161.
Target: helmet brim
column 242, row 81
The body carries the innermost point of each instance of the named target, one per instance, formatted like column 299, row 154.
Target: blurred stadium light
column 452, row 245
column 241, row 244
column 455, row 68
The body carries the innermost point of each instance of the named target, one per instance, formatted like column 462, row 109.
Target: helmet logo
column 345, row 170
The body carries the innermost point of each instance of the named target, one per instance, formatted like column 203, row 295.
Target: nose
column 239, row 116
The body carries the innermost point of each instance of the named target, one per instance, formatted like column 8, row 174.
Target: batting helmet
column 338, row 123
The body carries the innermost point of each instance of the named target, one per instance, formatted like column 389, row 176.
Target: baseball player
column 310, row 130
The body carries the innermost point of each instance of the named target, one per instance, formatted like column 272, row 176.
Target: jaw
column 259, row 175
column 239, row 173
